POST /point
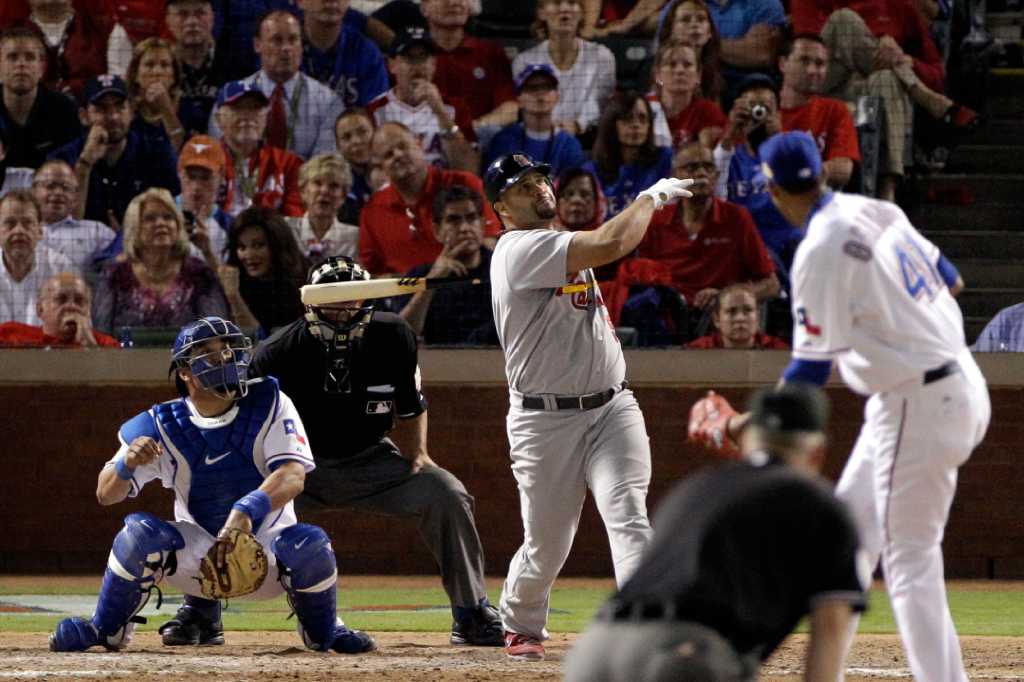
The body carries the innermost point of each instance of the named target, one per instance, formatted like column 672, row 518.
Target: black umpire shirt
column 385, row 383
column 747, row 550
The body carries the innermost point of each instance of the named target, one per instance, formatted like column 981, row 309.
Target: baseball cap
column 234, row 90
column 507, row 170
column 532, row 70
column 410, row 37
column 790, row 160
column 105, row 84
column 202, row 151
column 790, row 407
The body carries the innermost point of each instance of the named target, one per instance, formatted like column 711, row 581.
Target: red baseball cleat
column 523, row 647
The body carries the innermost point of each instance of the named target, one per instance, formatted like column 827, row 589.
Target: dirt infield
column 419, row 657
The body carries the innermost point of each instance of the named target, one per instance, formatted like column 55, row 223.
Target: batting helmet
column 507, row 170
column 223, row 371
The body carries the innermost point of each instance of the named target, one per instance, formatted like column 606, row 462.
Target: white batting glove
column 667, row 191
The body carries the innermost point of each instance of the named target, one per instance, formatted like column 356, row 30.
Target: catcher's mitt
column 709, row 418
column 236, row 565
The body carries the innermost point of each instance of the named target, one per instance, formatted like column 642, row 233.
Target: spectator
column 581, row 203
column 203, row 63
column 396, row 228
column 803, row 61
column 256, row 173
column 11, row 178
column 154, row 81
column 882, row 48
column 157, row 284
column 751, row 31
column 1004, row 333
column 264, row 271
column 324, row 181
column 338, row 55
column 33, row 119
column 63, row 309
column 27, row 262
column 76, row 44
column 84, row 242
column 114, row 163
column 625, row 157
column 537, row 134
column 689, row 22
column 460, row 315
column 352, row 133
column 737, row 323
column 585, row 70
column 302, row 110
column 708, row 243
column 135, row 21
column 469, row 70
column 739, row 166
column 416, row 103
column 201, row 171
column 620, row 17
column 680, row 113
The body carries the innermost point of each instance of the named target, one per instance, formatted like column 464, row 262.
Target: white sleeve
column 286, row 438
column 662, row 135
column 143, row 474
column 722, row 158
column 119, row 51
column 822, row 314
column 536, row 259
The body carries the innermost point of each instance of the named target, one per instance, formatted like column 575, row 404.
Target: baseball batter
column 572, row 423
column 870, row 292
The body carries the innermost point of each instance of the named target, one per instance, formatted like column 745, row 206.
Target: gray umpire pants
column 655, row 651
column 379, row 480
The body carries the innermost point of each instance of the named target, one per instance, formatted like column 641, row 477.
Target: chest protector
column 220, row 459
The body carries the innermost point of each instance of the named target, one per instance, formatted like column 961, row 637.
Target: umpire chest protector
column 220, row 459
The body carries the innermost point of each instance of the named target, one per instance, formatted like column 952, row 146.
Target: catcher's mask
column 224, row 370
column 339, row 327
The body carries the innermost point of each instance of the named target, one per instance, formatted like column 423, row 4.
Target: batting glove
column 667, row 191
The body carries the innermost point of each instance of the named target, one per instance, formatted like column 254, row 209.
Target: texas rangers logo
column 291, row 430
column 805, row 321
column 521, row 159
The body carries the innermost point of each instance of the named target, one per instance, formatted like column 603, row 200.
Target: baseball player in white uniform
column 572, row 423
column 870, row 292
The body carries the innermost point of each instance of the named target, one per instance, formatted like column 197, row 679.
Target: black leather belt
column 941, row 372
column 588, row 401
column 618, row 611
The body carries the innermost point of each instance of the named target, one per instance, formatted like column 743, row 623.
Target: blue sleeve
column 947, row 270
column 140, row 425
column 808, row 371
column 768, row 12
column 373, row 77
column 572, row 153
column 355, row 20
column 498, row 145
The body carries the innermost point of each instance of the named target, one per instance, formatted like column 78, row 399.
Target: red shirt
column 688, row 123
column 896, row 18
column 476, row 74
column 828, row 121
column 761, row 342
column 395, row 237
column 276, row 173
column 728, row 248
column 26, row 335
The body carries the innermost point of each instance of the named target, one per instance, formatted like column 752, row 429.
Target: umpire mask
column 339, row 327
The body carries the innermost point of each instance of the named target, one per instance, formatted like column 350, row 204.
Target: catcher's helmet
column 507, row 170
column 224, row 371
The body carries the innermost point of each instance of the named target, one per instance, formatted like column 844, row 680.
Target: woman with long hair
column 680, row 113
column 689, row 22
column 154, row 84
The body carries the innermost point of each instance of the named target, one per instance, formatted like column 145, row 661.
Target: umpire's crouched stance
column 740, row 553
column 350, row 371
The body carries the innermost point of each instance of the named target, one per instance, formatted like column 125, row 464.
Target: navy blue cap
column 105, row 84
column 532, row 70
column 410, row 37
column 233, row 90
column 507, row 170
column 790, row 160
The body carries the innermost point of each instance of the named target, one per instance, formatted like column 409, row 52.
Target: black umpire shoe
column 190, row 628
column 483, row 628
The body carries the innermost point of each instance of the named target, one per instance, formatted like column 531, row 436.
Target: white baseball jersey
column 421, row 120
column 867, row 292
column 18, row 299
column 79, row 240
column 584, row 87
column 555, row 342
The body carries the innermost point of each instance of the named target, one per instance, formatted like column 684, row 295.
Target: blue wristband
column 255, row 505
column 124, row 472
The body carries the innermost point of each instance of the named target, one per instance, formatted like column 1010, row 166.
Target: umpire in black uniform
column 740, row 554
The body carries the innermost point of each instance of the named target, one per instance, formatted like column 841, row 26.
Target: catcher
column 235, row 453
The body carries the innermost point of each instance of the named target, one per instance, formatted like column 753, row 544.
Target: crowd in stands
column 162, row 160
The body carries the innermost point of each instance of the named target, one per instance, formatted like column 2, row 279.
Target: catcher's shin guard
column 74, row 634
column 309, row 577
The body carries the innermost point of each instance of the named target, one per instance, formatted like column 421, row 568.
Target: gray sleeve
column 537, row 260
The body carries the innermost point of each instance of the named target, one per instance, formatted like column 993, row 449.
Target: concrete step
column 979, row 273
column 991, row 217
column 979, row 244
column 985, row 303
column 953, row 189
column 1006, row 94
column 987, row 158
column 999, row 131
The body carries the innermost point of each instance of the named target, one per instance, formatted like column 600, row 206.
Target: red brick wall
column 55, row 439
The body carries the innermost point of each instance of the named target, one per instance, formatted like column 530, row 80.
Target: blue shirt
column 1004, row 333
column 353, row 68
column 735, row 18
column 147, row 161
column 561, row 151
column 632, row 180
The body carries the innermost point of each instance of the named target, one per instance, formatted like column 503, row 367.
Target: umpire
column 740, row 554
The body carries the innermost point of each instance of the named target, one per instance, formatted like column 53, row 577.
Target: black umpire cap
column 791, row 407
column 507, row 170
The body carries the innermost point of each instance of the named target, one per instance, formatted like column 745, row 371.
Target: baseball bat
column 361, row 290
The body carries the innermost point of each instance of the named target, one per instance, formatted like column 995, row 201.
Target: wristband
column 124, row 472
column 255, row 505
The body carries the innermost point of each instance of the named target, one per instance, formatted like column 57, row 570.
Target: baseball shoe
column 190, row 628
column 352, row 641
column 482, row 628
column 523, row 647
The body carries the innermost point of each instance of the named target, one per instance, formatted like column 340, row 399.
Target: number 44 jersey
column 868, row 292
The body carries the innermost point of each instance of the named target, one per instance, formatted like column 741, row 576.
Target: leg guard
column 309, row 577
column 74, row 634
